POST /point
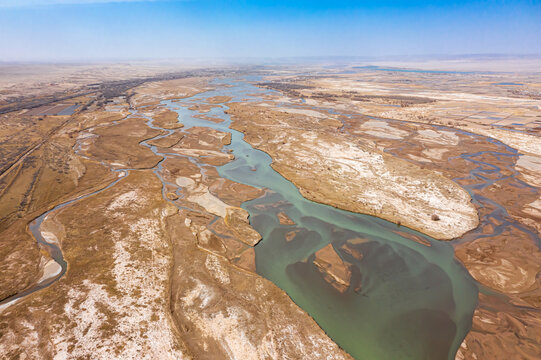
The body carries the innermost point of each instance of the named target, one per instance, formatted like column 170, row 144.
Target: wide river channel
column 415, row 300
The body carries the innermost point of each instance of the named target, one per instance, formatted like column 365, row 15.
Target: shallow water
column 380, row 68
column 415, row 301
column 69, row 110
column 508, row 83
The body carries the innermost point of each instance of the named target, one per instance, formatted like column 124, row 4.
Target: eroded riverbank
column 396, row 284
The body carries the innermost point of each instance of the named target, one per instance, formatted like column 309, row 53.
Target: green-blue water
column 415, row 301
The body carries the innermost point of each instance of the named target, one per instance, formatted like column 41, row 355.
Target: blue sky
column 102, row 30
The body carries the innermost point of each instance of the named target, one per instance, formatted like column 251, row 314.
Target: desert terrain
column 247, row 212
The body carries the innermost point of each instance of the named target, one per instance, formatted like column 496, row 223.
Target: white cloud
column 32, row 3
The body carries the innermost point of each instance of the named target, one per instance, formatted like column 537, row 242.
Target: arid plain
column 127, row 231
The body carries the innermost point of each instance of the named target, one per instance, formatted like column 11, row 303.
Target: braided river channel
column 412, row 299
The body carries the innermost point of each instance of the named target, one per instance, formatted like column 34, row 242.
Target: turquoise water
column 509, row 83
column 380, row 68
column 415, row 301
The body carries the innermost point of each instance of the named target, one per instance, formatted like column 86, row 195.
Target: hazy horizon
column 101, row 30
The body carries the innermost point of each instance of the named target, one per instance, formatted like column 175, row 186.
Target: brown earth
column 145, row 279
column 284, row 219
column 204, row 144
column 209, row 118
column 502, row 330
column 337, row 271
column 167, row 119
column 167, row 141
column 202, row 108
column 118, row 144
column 219, row 99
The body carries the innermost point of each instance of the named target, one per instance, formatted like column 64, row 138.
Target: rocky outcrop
column 337, row 271
column 237, row 220
column 284, row 219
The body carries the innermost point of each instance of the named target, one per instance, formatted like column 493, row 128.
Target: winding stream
column 52, row 247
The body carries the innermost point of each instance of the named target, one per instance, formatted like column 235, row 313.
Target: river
column 416, row 301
